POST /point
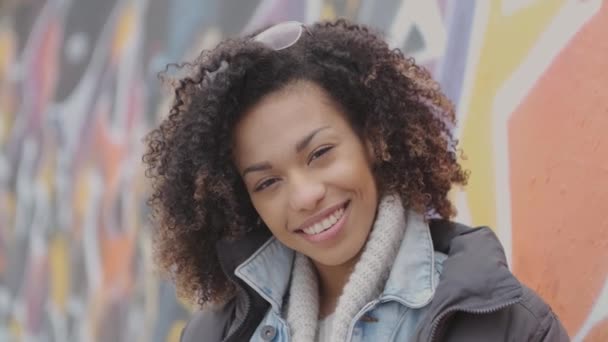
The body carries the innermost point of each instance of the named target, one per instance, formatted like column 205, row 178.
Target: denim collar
column 411, row 281
column 268, row 271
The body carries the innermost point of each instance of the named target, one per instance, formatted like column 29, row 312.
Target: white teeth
column 325, row 224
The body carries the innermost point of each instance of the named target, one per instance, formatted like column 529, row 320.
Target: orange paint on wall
column 599, row 334
column 558, row 158
column 118, row 252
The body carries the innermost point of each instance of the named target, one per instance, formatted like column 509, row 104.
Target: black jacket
column 477, row 298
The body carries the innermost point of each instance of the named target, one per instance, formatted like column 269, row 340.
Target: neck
column 331, row 283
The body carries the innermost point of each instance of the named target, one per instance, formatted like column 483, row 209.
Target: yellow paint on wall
column 125, row 29
column 175, row 331
column 82, row 192
column 15, row 329
column 506, row 42
column 60, row 272
column 7, row 57
column 328, row 12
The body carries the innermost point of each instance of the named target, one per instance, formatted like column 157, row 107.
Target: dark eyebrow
column 306, row 140
column 263, row 166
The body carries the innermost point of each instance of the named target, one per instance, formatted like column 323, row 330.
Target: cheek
column 270, row 212
column 361, row 179
column 353, row 170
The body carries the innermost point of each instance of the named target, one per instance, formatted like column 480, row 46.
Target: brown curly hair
column 198, row 196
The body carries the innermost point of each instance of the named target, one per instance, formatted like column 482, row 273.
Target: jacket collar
column 268, row 271
column 411, row 281
column 475, row 273
column 475, row 276
column 233, row 252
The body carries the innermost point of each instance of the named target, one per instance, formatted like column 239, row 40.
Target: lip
column 330, row 233
column 320, row 216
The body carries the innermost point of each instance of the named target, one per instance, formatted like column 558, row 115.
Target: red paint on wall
column 600, row 333
column 558, row 148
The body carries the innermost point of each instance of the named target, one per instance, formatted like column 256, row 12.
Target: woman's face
column 308, row 173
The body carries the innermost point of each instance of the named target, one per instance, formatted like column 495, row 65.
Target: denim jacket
column 394, row 315
column 449, row 283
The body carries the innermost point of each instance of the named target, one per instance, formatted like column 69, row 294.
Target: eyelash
column 315, row 155
column 319, row 153
column 264, row 184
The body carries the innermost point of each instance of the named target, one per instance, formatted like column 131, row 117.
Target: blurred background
column 78, row 91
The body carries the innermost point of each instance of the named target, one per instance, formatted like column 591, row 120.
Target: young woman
column 300, row 188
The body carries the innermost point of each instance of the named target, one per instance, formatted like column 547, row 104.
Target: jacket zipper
column 440, row 320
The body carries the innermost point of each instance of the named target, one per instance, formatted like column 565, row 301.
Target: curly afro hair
column 198, row 196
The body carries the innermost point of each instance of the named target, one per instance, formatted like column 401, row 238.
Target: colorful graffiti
column 78, row 91
column 532, row 126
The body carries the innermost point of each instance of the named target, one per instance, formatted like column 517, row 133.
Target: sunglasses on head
column 282, row 35
column 277, row 37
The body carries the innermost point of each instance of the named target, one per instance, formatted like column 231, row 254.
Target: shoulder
column 209, row 322
column 530, row 319
column 475, row 274
column 541, row 320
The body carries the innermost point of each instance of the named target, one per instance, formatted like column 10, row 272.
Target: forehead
column 284, row 117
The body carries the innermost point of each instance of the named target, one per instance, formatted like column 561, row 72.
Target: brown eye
column 264, row 184
column 319, row 153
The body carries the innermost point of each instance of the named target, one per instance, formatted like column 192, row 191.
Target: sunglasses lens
column 280, row 36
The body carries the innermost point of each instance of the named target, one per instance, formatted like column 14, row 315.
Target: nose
column 305, row 192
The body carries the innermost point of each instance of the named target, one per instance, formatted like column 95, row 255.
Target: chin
column 337, row 260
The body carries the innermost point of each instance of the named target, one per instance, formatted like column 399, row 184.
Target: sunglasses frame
column 272, row 36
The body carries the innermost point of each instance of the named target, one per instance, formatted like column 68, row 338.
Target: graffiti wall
column 78, row 91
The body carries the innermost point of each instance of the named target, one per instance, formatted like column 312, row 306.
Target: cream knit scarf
column 365, row 283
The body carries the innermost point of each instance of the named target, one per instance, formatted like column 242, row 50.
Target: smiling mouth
column 327, row 222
